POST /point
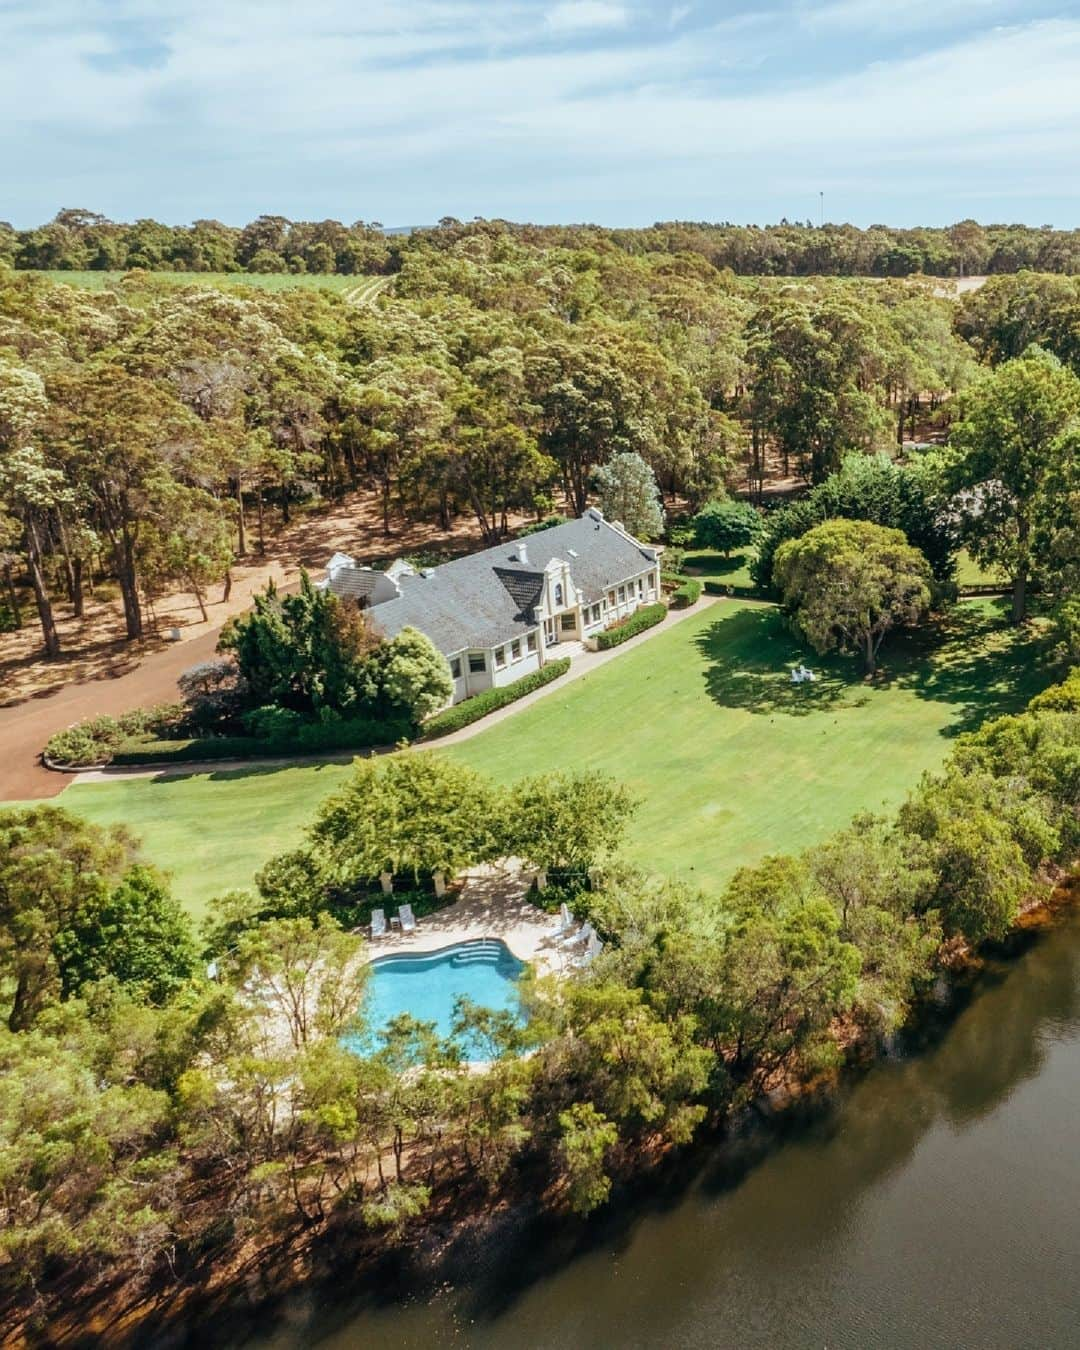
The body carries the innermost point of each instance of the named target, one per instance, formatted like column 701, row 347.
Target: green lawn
column 708, row 565
column 211, row 831
column 266, row 281
column 731, row 760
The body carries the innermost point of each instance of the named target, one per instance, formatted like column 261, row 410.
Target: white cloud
column 900, row 15
column 404, row 112
column 578, row 16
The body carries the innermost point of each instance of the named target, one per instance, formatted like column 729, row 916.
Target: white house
column 500, row 614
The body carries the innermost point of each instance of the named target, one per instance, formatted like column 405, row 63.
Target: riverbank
column 263, row 1282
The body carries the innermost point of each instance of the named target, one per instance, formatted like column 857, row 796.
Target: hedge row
column 453, row 719
column 686, row 594
column 636, row 623
column 308, row 739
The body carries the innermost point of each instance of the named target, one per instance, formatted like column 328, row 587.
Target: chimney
column 523, row 553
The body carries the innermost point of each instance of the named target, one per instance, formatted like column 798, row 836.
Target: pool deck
column 494, row 903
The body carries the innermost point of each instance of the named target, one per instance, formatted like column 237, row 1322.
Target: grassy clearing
column 731, row 760
column 707, row 565
column 263, row 281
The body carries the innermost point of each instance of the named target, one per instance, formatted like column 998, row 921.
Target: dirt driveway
column 25, row 727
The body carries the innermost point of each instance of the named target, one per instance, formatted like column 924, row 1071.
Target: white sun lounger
column 378, row 923
column 406, row 919
column 593, row 948
column 583, row 934
column 566, row 920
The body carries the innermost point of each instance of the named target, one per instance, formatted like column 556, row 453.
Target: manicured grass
column 265, row 281
column 971, row 573
column 211, row 831
column 730, row 759
column 707, row 565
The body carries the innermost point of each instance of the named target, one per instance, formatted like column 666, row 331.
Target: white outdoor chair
column 583, row 934
column 566, row 920
column 378, row 923
column 406, row 918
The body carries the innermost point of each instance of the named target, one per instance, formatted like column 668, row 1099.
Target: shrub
column 545, row 524
column 1063, row 697
column 307, row 738
column 271, row 723
column 453, row 719
column 77, row 747
column 687, row 593
column 215, row 694
column 641, row 619
column 726, row 525
column 96, row 740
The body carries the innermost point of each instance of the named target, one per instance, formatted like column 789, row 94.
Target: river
column 936, row 1204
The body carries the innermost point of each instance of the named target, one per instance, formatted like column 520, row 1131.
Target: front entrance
column 560, row 628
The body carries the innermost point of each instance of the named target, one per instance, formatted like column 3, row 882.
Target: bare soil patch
column 99, row 672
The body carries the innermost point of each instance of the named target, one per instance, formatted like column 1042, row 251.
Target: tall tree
column 1018, row 433
column 849, row 582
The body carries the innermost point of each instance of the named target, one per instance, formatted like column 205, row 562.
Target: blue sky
column 616, row 111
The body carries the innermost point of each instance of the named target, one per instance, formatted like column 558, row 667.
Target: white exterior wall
column 471, row 682
column 512, row 669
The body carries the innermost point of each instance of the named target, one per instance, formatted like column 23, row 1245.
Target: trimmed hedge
column 462, row 714
column 309, row 739
column 686, row 594
column 641, row 619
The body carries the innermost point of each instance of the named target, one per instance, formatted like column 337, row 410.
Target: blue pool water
column 427, row 985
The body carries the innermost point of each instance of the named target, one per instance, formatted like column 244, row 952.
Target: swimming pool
column 427, row 984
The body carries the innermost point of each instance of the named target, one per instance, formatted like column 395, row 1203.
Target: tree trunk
column 13, row 595
column 285, row 516
column 871, row 654
column 77, row 602
column 69, row 569
column 262, row 520
column 1019, row 596
column 241, row 524
column 197, row 592
column 49, row 630
column 227, row 588
column 129, row 585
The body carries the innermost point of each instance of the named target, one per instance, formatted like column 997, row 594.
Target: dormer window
column 558, row 593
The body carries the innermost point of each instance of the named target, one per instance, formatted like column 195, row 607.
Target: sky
column 621, row 112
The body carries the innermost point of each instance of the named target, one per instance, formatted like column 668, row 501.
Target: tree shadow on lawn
column 970, row 657
column 751, row 655
column 227, row 774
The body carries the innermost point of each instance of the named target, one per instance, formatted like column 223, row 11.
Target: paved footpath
column 584, row 662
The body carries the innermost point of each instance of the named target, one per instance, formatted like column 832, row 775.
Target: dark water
column 937, row 1205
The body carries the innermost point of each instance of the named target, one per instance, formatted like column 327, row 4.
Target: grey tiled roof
column 355, row 583
column 490, row 597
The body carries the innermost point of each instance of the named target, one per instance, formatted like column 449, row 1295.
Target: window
column 622, row 594
column 652, row 583
column 515, row 650
column 640, row 588
column 530, row 642
column 596, row 613
column 477, row 663
column 558, row 593
column 611, row 597
column 500, row 657
column 455, row 667
column 568, row 622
